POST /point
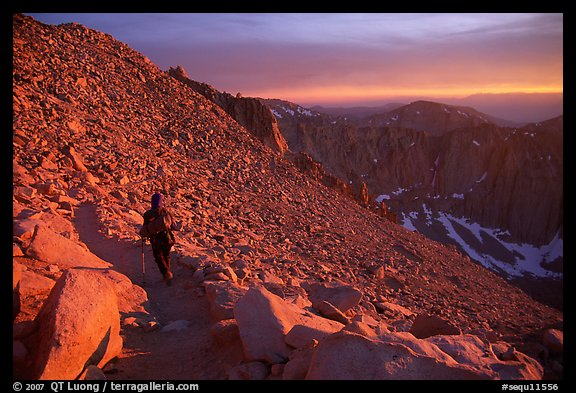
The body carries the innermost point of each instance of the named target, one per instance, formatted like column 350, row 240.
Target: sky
column 347, row 58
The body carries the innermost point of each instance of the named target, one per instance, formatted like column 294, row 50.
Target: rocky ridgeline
column 292, row 270
column 248, row 112
column 259, row 120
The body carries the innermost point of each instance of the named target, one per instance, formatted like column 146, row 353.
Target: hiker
column 163, row 241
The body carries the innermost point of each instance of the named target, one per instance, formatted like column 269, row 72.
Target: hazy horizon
column 370, row 55
column 348, row 59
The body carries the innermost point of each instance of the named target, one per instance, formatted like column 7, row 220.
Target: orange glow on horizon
column 338, row 94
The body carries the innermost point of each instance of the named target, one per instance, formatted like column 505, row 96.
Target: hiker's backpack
column 161, row 222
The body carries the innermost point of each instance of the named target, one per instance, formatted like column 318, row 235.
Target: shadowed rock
column 264, row 319
column 78, row 325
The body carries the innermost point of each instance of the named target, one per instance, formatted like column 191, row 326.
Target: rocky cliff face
column 248, row 112
column 497, row 176
column 98, row 128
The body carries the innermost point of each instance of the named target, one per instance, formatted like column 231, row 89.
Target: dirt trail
column 190, row 353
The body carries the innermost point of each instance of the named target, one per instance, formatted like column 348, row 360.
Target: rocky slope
column 248, row 112
column 98, row 128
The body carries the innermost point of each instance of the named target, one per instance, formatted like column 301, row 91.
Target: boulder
column 553, row 339
column 393, row 308
column 347, row 355
column 360, row 328
column 301, row 335
column 327, row 310
column 222, row 297
column 432, row 325
column 35, row 284
column 50, row 247
column 470, row 350
column 77, row 162
column 24, row 228
column 342, row 296
column 225, row 331
column 78, row 325
column 263, row 321
column 270, row 278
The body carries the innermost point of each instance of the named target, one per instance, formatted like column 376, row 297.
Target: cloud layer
column 339, row 58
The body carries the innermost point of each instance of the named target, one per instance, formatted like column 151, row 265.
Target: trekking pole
column 143, row 266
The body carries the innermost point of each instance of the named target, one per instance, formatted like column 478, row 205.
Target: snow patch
column 380, row 198
column 288, row 110
column 375, row 161
column 305, row 112
column 458, row 196
column 527, row 257
column 407, row 222
column 399, row 191
column 278, row 115
column 476, row 143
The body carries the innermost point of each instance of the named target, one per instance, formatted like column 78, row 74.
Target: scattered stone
column 392, row 308
column 342, row 296
column 270, row 278
column 130, row 321
column 432, row 325
column 222, row 296
column 360, row 328
column 225, row 331
column 365, row 319
column 151, row 326
column 329, row 311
